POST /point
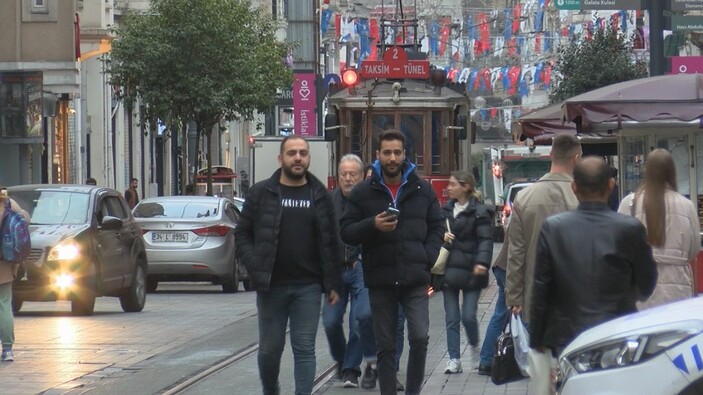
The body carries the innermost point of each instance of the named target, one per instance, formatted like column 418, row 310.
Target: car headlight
column 621, row 352
column 66, row 250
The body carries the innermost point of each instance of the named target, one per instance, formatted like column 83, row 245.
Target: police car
column 655, row 351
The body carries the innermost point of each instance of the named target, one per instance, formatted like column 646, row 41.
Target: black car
column 85, row 243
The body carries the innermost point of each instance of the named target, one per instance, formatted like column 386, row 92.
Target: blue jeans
column 453, row 319
column 495, row 326
column 384, row 307
column 7, row 323
column 361, row 336
column 301, row 303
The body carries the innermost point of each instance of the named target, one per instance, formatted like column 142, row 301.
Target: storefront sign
column 679, row 22
column 395, row 64
column 686, row 64
column 304, row 103
column 686, row 5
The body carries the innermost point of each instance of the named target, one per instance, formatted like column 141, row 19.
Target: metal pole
column 253, row 164
column 656, row 38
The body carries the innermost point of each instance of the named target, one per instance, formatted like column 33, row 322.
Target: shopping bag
column 440, row 265
column 505, row 368
column 521, row 341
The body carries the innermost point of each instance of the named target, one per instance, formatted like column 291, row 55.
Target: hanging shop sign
column 679, row 22
column 687, row 5
column 687, row 65
column 304, row 104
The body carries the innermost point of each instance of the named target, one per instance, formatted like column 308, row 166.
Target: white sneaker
column 453, row 366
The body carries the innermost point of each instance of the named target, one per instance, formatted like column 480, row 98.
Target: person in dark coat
column 288, row 239
column 471, row 235
column 593, row 264
column 396, row 218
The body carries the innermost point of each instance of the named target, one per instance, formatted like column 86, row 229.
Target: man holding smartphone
column 395, row 216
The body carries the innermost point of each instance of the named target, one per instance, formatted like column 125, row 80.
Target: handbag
column 440, row 264
column 505, row 368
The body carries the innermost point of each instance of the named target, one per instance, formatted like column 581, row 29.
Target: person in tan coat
column 8, row 271
column 673, row 229
column 551, row 194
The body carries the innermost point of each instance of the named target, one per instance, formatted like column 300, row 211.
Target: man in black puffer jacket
column 398, row 251
column 287, row 239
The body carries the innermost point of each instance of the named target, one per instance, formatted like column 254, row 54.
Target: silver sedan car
column 189, row 238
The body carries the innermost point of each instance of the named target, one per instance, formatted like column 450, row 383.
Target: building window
column 40, row 6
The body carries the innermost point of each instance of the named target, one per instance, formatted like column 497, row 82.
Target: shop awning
column 677, row 98
column 543, row 124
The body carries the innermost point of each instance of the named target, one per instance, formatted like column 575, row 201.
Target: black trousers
column 384, row 310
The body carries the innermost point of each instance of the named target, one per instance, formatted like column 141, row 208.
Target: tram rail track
column 181, row 387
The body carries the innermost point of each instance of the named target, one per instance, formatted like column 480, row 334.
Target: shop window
column 436, row 136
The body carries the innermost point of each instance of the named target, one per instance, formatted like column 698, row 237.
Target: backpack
column 14, row 235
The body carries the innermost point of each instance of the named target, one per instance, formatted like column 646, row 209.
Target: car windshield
column 54, row 207
column 182, row 209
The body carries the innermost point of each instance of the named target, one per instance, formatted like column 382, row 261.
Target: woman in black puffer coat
column 471, row 235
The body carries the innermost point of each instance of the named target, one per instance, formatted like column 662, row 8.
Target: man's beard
column 391, row 174
column 288, row 171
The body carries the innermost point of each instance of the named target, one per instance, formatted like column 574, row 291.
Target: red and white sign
column 395, row 64
column 686, row 64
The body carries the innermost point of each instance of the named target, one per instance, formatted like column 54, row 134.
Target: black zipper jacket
column 404, row 256
column 256, row 234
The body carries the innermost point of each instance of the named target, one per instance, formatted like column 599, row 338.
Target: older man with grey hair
column 361, row 343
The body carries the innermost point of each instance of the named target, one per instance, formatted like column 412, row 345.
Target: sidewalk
column 436, row 381
column 468, row 382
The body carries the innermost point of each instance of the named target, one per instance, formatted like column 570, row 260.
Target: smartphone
column 392, row 211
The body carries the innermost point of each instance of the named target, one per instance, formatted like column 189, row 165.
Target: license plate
column 169, row 237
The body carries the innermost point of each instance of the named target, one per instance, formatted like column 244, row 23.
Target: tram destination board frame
column 395, row 64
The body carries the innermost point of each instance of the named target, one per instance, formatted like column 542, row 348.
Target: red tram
column 431, row 114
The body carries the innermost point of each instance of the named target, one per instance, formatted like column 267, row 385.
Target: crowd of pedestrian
column 370, row 243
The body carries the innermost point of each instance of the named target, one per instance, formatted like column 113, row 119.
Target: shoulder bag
column 440, row 265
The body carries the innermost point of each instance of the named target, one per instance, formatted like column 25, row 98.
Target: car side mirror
column 111, row 223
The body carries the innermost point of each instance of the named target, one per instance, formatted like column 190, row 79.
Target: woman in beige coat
column 673, row 229
column 8, row 270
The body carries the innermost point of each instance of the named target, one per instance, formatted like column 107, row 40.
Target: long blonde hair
column 659, row 175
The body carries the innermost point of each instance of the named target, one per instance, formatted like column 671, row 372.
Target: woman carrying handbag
column 471, row 236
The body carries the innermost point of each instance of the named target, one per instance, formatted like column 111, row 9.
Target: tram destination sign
column 395, row 64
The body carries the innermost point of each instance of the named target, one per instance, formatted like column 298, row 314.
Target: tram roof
column 413, row 93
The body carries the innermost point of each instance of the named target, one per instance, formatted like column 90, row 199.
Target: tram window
column 411, row 125
column 356, row 133
column 436, row 133
column 379, row 123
